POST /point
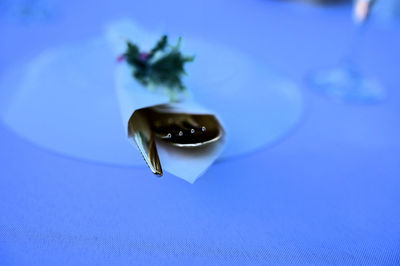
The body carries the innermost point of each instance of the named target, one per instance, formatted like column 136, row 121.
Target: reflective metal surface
column 173, row 127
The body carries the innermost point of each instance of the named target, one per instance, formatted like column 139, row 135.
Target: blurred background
column 325, row 192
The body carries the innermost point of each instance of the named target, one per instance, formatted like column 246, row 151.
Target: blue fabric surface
column 326, row 194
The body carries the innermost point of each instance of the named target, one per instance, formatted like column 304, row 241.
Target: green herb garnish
column 162, row 66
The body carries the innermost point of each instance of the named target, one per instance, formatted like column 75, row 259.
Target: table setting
column 210, row 132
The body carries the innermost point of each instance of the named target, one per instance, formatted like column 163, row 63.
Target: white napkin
column 188, row 164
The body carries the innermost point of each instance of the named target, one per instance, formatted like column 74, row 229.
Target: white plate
column 64, row 100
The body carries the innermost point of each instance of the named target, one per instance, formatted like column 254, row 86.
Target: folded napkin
column 186, row 163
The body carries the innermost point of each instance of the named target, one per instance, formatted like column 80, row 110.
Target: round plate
column 64, row 100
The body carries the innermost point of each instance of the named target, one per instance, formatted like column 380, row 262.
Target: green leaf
column 165, row 70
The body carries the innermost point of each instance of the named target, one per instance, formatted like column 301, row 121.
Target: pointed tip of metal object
column 155, row 167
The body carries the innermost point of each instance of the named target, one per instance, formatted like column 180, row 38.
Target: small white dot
column 192, row 131
column 203, row 129
column 180, row 133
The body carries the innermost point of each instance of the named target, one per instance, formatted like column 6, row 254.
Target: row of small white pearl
column 169, row 135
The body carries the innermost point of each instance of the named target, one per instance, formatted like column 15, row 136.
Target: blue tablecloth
column 328, row 193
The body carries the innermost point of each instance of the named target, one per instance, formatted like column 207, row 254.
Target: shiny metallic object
column 174, row 127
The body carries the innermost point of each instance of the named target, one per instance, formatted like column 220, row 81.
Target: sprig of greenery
column 162, row 66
